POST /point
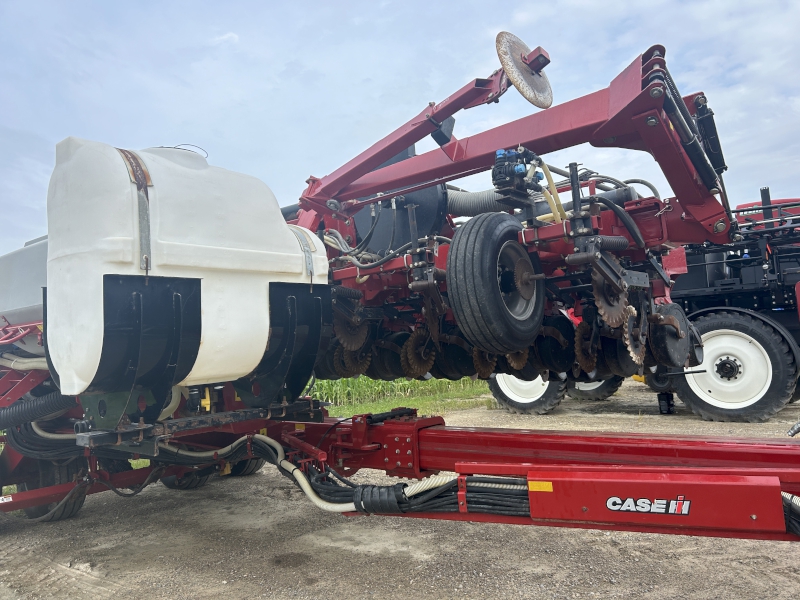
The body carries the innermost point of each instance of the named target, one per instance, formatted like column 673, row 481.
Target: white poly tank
column 199, row 221
column 23, row 274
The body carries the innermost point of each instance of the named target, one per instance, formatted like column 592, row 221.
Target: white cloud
column 228, row 38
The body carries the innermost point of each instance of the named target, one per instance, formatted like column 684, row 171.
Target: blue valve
column 500, row 153
column 539, row 176
column 520, row 169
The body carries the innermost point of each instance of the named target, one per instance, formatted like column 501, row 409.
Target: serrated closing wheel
column 339, row 364
column 484, row 363
column 351, row 336
column 418, row 353
column 635, row 340
column 610, row 304
column 357, row 362
column 518, row 360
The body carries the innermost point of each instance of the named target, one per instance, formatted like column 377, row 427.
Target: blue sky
column 285, row 90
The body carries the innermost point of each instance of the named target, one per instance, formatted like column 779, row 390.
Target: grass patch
column 433, row 397
column 361, row 390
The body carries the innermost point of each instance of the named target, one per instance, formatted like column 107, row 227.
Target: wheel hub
column 728, row 368
column 721, row 379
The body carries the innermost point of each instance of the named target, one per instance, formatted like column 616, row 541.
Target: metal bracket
column 306, row 251
column 141, row 177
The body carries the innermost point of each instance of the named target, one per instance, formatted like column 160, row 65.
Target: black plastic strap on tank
column 376, row 499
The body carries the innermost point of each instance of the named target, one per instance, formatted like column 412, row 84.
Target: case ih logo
column 679, row 506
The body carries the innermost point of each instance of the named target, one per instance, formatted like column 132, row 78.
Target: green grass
column 435, row 396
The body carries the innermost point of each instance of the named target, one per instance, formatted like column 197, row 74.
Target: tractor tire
column 796, row 396
column 750, row 370
column 658, row 381
column 189, row 481
column 54, row 474
column 250, row 466
column 594, row 390
column 489, row 307
column 526, row 397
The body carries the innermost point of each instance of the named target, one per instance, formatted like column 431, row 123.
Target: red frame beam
column 627, row 114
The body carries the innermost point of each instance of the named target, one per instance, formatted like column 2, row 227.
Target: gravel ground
column 257, row 537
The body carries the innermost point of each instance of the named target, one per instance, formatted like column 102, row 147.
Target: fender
column 761, row 317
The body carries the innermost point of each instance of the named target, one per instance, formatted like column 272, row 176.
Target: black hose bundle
column 491, row 495
column 25, row 411
column 791, row 512
column 27, row 442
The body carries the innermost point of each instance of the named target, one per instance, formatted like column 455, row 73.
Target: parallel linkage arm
column 628, row 114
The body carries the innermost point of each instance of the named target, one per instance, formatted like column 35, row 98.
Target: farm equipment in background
column 742, row 297
column 183, row 319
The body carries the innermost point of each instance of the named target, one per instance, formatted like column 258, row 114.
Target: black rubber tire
column 243, row 468
column 784, row 370
column 658, row 382
column 474, row 292
column 55, row 474
column 544, row 403
column 604, row 391
column 189, row 481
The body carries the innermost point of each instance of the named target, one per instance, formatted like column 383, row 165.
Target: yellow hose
column 553, row 207
column 553, row 190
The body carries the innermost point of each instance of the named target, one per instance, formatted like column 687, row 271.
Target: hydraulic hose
column 175, row 400
column 472, row 204
column 626, row 219
column 284, row 464
column 427, row 484
column 645, row 183
column 553, row 190
column 51, row 436
column 553, row 208
column 302, row 481
column 22, row 412
column 439, row 238
column 12, row 361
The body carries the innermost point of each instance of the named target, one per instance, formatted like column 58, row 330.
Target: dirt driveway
column 258, row 537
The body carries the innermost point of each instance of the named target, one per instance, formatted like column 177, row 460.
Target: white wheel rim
column 521, row 392
column 747, row 386
column 588, row 386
